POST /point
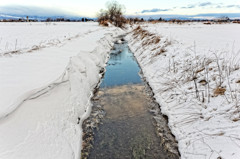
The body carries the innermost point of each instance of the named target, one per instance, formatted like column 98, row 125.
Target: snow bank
column 194, row 72
column 45, row 95
column 24, row 74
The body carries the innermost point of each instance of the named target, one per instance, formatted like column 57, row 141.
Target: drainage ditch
column 126, row 122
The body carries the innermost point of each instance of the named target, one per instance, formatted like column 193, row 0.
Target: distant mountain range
column 39, row 18
column 146, row 17
column 189, row 17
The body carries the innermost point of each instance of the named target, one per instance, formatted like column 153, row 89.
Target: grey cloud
column 228, row 6
column 205, row 4
column 232, row 6
column 189, row 7
column 155, row 10
column 197, row 5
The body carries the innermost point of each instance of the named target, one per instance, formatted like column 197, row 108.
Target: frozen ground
column 45, row 92
column 194, row 72
column 31, row 36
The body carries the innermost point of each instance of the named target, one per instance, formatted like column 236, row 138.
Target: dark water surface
column 126, row 130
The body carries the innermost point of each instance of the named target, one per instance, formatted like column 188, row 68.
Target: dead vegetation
column 210, row 76
column 161, row 51
column 219, row 91
column 149, row 39
column 104, row 23
column 236, row 22
column 238, row 81
column 207, row 23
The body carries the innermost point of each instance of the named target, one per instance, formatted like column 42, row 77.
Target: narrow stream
column 121, row 125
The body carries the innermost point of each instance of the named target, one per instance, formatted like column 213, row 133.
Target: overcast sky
column 133, row 7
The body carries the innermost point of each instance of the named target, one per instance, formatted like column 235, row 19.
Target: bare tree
column 113, row 14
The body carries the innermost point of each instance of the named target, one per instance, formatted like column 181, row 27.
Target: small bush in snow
column 113, row 15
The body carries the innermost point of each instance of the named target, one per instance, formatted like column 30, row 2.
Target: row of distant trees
column 47, row 20
column 120, row 23
column 68, row 20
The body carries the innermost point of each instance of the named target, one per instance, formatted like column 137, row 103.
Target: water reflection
column 122, row 68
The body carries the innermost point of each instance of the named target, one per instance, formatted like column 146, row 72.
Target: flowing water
column 121, row 125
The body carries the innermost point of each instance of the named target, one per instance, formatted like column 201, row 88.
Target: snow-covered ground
column 49, row 70
column 31, row 36
column 194, row 72
column 45, row 93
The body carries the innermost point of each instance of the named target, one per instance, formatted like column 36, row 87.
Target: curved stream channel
column 125, row 121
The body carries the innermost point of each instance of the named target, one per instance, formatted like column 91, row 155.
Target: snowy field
column 49, row 70
column 19, row 37
column 194, row 72
column 46, row 86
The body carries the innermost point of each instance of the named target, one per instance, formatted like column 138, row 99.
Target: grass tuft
column 219, row 91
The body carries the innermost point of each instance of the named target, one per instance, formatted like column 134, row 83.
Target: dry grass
column 207, row 23
column 219, row 91
column 238, row 81
column 154, row 40
column 161, row 51
column 139, row 32
column 200, row 70
column 137, row 29
column 157, row 39
column 150, row 39
column 236, row 22
column 144, row 34
column 155, row 21
column 154, row 49
column 235, row 119
column 203, row 82
column 104, row 23
column 144, row 43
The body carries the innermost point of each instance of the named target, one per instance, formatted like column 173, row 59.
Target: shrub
column 113, row 14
